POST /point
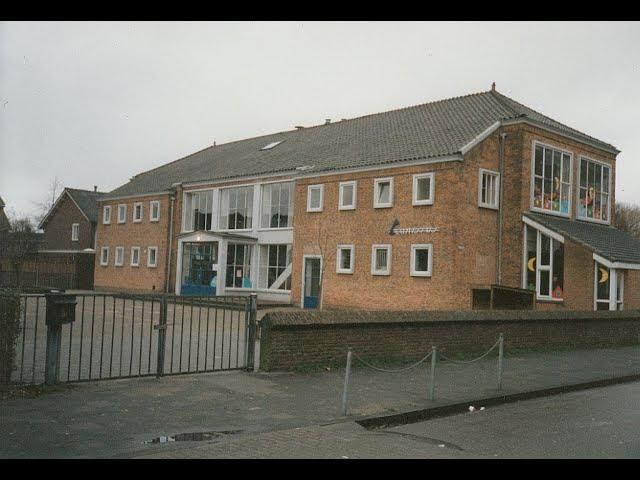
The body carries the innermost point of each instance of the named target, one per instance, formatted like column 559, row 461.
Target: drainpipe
column 500, row 210
column 167, row 279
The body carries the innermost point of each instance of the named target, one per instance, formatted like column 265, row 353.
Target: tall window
column 314, row 198
column 381, row 260
column 154, row 210
column 197, row 210
column 236, row 208
column 106, row 215
column 421, row 260
column 383, row 192
column 122, row 213
column 544, row 269
column 277, row 205
column 603, row 293
column 347, row 196
column 593, row 203
column 137, row 212
column 238, row 273
column 345, row 259
column 135, row 256
column 423, row 189
column 551, row 179
column 152, row 257
column 489, row 189
column 119, row 260
column 275, row 267
column 104, row 256
column 75, row 232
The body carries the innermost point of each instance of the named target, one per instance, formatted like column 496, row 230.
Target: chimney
column 493, row 86
column 95, row 188
column 327, row 121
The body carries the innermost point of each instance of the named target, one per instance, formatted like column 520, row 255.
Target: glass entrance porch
column 199, row 268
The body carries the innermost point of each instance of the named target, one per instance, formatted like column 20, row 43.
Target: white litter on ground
column 472, row 408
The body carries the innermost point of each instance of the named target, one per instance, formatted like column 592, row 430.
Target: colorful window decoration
column 594, row 191
column 551, row 180
column 544, row 270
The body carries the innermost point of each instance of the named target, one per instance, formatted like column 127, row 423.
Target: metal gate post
column 500, row 360
column 251, row 310
column 162, row 336
column 60, row 308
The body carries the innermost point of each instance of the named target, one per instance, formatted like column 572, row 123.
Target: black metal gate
column 122, row 335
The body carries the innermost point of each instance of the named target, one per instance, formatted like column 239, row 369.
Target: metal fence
column 120, row 335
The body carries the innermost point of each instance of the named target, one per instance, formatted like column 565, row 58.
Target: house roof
column 427, row 131
column 2, row 204
column 608, row 242
column 86, row 201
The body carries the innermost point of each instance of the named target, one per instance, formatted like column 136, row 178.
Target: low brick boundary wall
column 293, row 339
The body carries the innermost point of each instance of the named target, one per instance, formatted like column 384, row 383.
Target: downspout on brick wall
column 500, row 210
column 172, row 197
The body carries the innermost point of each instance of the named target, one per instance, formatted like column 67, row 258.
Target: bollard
column 500, row 359
column 432, row 385
column 345, row 391
column 162, row 336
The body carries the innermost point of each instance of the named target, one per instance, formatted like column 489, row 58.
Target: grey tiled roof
column 430, row 130
column 608, row 242
column 87, row 201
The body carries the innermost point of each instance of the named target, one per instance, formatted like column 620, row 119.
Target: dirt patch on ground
column 13, row 392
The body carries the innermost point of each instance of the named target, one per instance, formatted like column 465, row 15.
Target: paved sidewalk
column 115, row 418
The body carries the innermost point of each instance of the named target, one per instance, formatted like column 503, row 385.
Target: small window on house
column 383, row 192
column 315, row 194
column 421, row 260
column 119, row 260
column 122, row 213
column 381, row 260
column 347, row 196
column 137, row 212
column 106, row 215
column 154, row 210
column 75, row 232
column 152, row 257
column 135, row 256
column 104, row 256
column 345, row 259
column 423, row 186
column 489, row 189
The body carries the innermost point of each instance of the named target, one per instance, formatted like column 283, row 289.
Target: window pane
column 381, row 259
column 538, row 160
column 384, row 192
column 566, row 168
column 545, row 250
column 544, row 283
column 603, row 279
column 347, row 195
column 531, row 258
column 583, row 173
column 605, row 179
column 315, row 198
column 558, row 270
column 345, row 257
column 424, row 188
column 422, row 259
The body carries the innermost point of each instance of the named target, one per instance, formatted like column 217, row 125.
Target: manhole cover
column 192, row 437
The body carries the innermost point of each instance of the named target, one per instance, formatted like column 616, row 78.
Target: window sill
column 488, row 207
column 550, row 300
column 275, row 229
column 342, row 209
column 345, row 272
column 314, row 211
column 551, row 212
column 593, row 220
column 422, row 203
column 383, row 206
column 421, row 274
column 381, row 274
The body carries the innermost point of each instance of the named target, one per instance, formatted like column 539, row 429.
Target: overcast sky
column 94, row 103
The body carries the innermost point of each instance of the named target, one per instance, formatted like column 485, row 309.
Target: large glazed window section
column 551, row 180
column 198, row 209
column 594, row 191
column 603, row 292
column 238, row 266
column 275, row 267
column 277, row 205
column 544, row 268
column 236, row 205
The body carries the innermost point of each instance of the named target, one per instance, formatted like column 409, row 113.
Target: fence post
column 162, row 336
column 345, row 390
column 252, row 310
column 432, row 384
column 500, row 359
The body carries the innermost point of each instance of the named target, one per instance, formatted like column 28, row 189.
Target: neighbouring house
column 417, row 208
column 4, row 221
column 66, row 257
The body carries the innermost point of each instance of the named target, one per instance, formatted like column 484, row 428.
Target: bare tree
column 48, row 198
column 627, row 218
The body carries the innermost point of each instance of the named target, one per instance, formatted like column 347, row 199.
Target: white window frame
column 135, row 207
column 135, row 249
column 550, row 268
column 615, row 275
column 609, row 193
column 533, row 179
column 377, row 182
column 104, row 262
column 421, row 246
column 374, row 248
column 290, row 209
column 106, row 215
column 352, row 260
column 432, row 184
column 122, row 207
column 115, row 259
column 496, row 175
column 153, row 203
column 309, row 189
column 342, row 185
column 223, row 217
column 149, row 250
column 75, row 232
column 286, row 274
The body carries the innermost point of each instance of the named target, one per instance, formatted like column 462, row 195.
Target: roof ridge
column 497, row 95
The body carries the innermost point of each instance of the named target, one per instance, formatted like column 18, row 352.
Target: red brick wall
column 57, row 231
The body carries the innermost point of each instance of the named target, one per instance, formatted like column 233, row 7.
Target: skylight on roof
column 271, row 145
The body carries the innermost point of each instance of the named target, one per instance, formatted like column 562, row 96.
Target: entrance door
column 199, row 268
column 311, row 289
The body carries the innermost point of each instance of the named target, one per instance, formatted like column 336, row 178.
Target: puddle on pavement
column 192, row 437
